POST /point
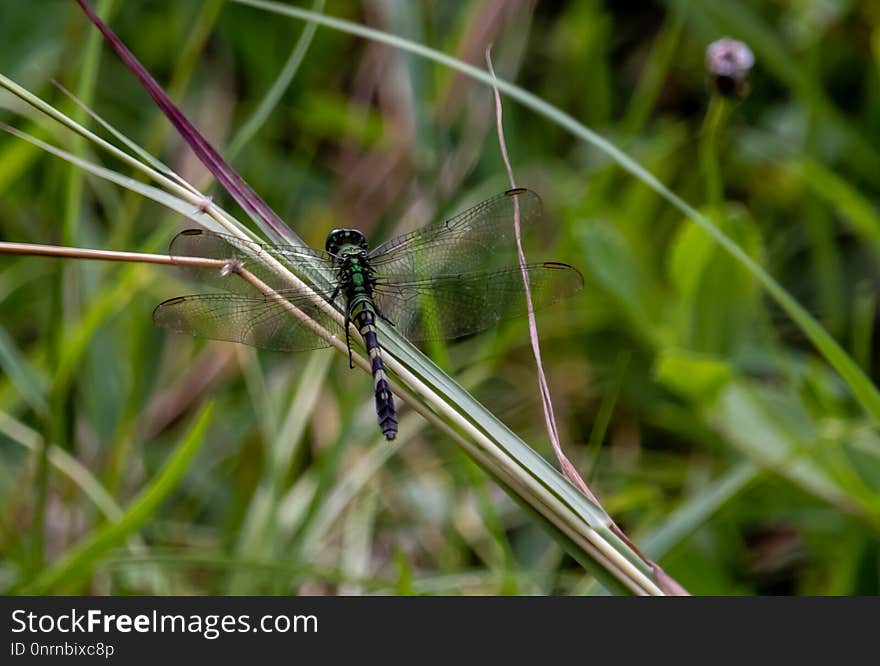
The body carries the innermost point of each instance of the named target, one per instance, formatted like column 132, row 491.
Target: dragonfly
column 449, row 279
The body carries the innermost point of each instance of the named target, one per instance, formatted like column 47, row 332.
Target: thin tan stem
column 103, row 255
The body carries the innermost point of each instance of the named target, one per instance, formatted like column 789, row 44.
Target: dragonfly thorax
column 349, row 250
column 338, row 239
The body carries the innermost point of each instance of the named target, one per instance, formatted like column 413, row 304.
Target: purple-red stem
column 233, row 183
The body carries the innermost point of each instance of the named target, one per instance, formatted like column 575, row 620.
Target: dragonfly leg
column 379, row 312
column 348, row 339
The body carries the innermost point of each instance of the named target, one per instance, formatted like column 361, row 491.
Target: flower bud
column 728, row 62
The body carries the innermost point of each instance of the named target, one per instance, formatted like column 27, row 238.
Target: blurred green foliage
column 708, row 426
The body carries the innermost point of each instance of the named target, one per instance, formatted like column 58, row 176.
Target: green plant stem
column 863, row 318
column 710, row 140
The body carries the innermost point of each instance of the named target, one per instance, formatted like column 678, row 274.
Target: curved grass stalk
column 136, row 150
column 565, row 465
column 189, row 194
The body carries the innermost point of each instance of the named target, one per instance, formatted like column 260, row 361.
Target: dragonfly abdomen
column 363, row 314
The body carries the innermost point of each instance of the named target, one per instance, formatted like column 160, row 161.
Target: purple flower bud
column 728, row 62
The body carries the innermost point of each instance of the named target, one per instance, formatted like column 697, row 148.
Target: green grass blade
column 64, row 463
column 28, row 380
column 696, row 510
column 80, row 560
column 273, row 96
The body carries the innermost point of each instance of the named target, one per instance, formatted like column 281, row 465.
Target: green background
column 704, row 420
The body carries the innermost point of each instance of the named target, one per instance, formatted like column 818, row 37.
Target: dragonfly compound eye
column 338, row 238
column 333, row 238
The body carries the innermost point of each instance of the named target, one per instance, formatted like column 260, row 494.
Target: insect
column 449, row 279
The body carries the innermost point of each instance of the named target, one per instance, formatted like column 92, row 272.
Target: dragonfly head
column 339, row 238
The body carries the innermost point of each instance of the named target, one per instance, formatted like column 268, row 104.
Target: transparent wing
column 480, row 238
column 202, row 243
column 259, row 321
column 450, row 306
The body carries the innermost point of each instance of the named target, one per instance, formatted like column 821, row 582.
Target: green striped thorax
column 349, row 247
